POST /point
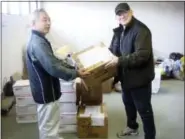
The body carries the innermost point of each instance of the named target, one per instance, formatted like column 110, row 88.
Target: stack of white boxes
column 68, row 108
column 25, row 106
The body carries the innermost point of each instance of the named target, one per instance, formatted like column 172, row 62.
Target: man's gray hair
column 35, row 15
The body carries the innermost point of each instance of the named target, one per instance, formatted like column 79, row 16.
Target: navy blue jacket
column 44, row 69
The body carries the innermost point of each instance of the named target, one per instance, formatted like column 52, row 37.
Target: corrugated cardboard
column 97, row 70
column 85, row 127
column 91, row 97
column 107, row 86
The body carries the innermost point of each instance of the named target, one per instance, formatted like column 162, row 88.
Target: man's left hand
column 112, row 63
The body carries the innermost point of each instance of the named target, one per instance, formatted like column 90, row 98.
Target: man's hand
column 82, row 73
column 113, row 62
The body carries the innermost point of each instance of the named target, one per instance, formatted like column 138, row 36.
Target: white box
column 156, row 83
column 25, row 110
column 68, row 129
column 68, row 108
column 26, row 118
column 68, row 97
column 21, row 88
column 68, row 119
column 66, row 86
column 24, row 101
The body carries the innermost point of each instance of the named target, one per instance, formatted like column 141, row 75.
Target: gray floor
column 168, row 106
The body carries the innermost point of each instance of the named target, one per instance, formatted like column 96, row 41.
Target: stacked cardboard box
column 93, row 59
column 25, row 106
column 68, row 108
column 92, row 119
column 92, row 122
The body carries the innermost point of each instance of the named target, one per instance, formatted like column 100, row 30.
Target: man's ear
column 131, row 12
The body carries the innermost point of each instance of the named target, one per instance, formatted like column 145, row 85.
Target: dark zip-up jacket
column 133, row 46
column 44, row 69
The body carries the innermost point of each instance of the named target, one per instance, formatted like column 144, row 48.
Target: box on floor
column 92, row 122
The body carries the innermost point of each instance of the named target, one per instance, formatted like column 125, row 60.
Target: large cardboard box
column 92, row 96
column 92, row 122
column 94, row 59
column 107, row 86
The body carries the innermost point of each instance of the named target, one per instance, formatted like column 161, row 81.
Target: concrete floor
column 168, row 107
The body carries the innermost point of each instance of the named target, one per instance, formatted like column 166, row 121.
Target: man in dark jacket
column 132, row 47
column 44, row 71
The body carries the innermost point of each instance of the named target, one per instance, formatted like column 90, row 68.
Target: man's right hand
column 82, row 73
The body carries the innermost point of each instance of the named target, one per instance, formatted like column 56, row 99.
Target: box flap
column 92, row 57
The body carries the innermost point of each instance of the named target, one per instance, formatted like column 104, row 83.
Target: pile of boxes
column 82, row 110
column 68, row 108
column 26, row 111
column 92, row 118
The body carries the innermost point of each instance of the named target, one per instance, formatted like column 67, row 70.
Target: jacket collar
column 40, row 35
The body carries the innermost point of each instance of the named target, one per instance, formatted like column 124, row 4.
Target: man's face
column 42, row 23
column 124, row 17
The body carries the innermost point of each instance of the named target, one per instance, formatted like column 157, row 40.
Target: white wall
column 14, row 36
column 82, row 24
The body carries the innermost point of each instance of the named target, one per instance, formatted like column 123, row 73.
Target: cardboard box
column 107, row 86
column 26, row 118
column 68, row 129
column 68, row 97
column 22, row 88
column 94, row 59
column 91, row 97
column 24, row 101
column 25, row 110
column 68, row 108
column 92, row 122
column 68, row 119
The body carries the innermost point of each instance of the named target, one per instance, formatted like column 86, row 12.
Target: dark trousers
column 139, row 99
